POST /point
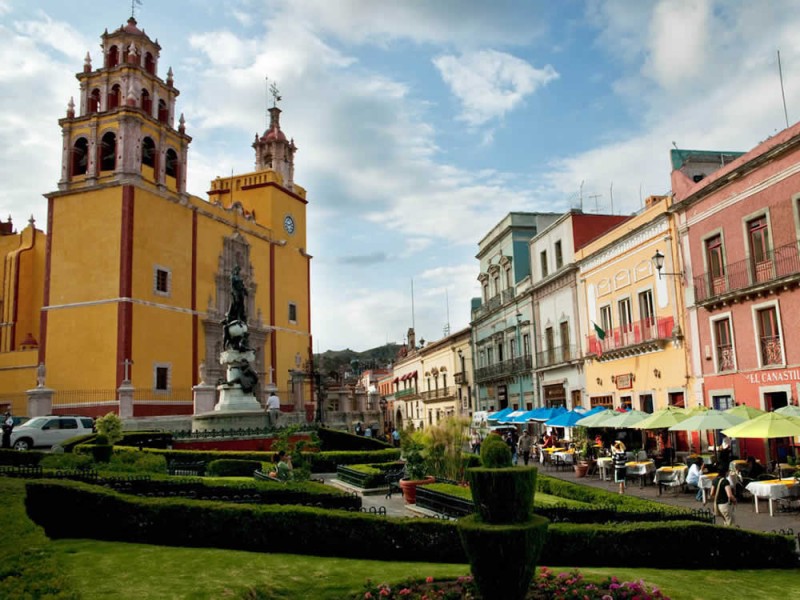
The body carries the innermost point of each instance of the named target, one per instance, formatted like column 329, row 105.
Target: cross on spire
column 134, row 4
column 272, row 89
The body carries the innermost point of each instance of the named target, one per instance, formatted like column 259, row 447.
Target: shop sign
column 554, row 392
column 624, row 381
column 778, row 376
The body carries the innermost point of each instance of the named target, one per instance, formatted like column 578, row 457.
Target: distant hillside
column 341, row 361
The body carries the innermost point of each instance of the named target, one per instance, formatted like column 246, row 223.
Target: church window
column 80, row 157
column 162, row 281
column 147, row 102
column 113, row 57
column 162, row 111
column 148, row 152
column 114, row 97
column 161, row 377
column 94, row 101
column 108, row 152
column 292, row 312
column 149, row 64
column 171, row 166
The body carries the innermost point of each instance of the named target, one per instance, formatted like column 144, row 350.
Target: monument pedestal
column 233, row 399
column 204, row 397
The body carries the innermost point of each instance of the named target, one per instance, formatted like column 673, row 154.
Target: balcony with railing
column 504, row 369
column 460, row 378
column 556, row 355
column 638, row 337
column 437, row 394
column 725, row 358
column 405, row 393
column 771, row 352
column 779, row 266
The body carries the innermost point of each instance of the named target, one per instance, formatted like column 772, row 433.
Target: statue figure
column 40, row 373
column 201, row 372
column 247, row 378
column 237, row 311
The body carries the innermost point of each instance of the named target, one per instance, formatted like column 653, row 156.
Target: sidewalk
column 744, row 514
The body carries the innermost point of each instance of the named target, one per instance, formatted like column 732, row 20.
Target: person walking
column 619, row 458
column 724, row 496
column 524, row 447
column 8, row 427
column 273, row 408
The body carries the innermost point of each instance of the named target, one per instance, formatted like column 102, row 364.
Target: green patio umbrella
column 746, row 412
column 662, row 419
column 789, row 410
column 596, row 420
column 626, row 419
column 767, row 426
column 706, row 420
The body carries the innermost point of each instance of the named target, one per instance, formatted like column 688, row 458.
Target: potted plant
column 413, row 446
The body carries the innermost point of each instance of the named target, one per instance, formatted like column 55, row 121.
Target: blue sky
column 420, row 124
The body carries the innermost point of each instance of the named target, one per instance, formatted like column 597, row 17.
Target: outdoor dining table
column 773, row 489
column 563, row 457
column 641, row 468
column 604, row 466
column 670, row 477
column 706, row 482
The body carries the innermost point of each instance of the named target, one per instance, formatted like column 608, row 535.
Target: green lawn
column 32, row 566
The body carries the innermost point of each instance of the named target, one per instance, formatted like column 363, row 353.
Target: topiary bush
column 110, row 426
column 131, row 461
column 232, row 468
column 495, row 453
column 503, row 495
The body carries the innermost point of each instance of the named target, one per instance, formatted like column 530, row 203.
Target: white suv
column 49, row 430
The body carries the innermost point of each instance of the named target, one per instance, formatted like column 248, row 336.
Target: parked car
column 44, row 432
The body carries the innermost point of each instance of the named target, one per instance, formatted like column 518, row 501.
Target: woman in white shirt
column 693, row 477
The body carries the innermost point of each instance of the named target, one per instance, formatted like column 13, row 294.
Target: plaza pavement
column 744, row 513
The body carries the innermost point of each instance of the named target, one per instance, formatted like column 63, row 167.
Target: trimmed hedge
column 15, row 458
column 320, row 462
column 344, row 441
column 70, row 444
column 73, row 509
column 225, row 467
column 503, row 495
column 146, row 439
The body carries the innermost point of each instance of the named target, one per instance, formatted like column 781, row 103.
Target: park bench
column 392, row 479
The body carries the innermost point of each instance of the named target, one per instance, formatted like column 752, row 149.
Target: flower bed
column 547, row 585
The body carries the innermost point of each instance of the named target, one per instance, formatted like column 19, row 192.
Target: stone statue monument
column 236, row 392
column 40, row 374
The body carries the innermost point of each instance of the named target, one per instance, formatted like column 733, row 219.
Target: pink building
column 739, row 223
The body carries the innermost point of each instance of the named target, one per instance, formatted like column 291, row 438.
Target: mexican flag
column 601, row 334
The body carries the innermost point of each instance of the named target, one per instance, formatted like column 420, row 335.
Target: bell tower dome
column 273, row 151
column 123, row 126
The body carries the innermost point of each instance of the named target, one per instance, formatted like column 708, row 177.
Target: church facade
column 135, row 272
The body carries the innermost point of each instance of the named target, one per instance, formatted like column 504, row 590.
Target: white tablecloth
column 564, row 457
column 604, row 467
column 640, row 468
column 670, row 475
column 772, row 490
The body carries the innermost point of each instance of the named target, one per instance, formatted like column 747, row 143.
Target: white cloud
column 488, row 83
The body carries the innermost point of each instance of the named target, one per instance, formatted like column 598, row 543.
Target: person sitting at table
column 693, row 478
column 550, row 440
column 619, row 458
column 754, row 468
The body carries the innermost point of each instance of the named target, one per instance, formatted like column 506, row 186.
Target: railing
column 438, row 393
column 647, row 330
column 406, row 392
column 778, row 263
column 725, row 357
column 556, row 355
column 771, row 353
column 460, row 378
column 84, row 397
column 504, row 368
column 171, row 395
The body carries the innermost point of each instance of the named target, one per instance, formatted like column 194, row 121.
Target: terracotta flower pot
column 409, row 487
column 581, row 468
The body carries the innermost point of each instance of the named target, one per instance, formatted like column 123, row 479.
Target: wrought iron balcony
column 771, row 353
column 779, row 265
column 439, row 394
column 406, row 392
column 504, row 369
column 725, row 358
column 638, row 337
column 556, row 355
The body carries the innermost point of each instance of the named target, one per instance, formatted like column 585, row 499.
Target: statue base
column 228, row 421
column 233, row 399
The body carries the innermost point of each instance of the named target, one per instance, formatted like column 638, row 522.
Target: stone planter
column 409, row 487
column 581, row 468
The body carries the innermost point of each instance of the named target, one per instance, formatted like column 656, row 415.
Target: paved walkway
column 744, row 513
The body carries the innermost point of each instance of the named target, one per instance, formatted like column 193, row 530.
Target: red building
column 739, row 223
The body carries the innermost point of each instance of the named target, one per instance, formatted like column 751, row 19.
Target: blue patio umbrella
column 594, row 410
column 513, row 417
column 567, row 419
column 496, row 416
column 545, row 414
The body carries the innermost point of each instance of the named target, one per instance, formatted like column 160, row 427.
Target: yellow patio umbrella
column 662, row 419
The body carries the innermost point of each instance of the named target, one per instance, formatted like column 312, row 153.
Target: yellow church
column 132, row 280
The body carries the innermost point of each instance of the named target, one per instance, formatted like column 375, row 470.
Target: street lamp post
column 383, row 403
column 521, row 362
